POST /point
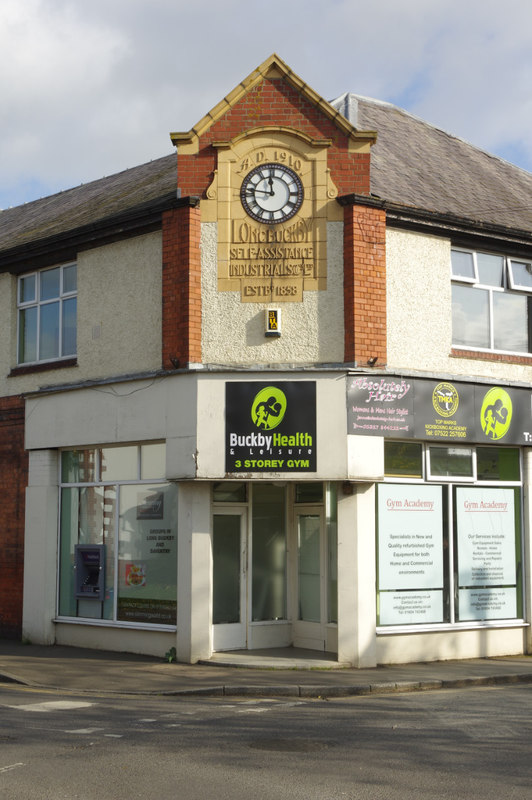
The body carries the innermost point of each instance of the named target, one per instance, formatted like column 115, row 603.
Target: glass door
column 311, row 617
column 229, row 605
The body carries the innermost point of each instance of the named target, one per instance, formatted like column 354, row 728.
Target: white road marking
column 53, row 705
column 12, row 766
column 85, row 730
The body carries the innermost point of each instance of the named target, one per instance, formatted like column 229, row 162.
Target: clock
column 271, row 193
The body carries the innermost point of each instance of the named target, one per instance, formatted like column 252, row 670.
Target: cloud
column 90, row 88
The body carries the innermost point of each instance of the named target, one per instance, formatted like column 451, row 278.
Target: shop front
column 450, row 552
column 223, row 512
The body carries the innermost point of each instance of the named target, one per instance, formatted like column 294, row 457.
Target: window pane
column 226, row 569
column 332, row 553
column 70, row 280
column 50, row 284
column 119, row 464
column 403, row 459
column 228, row 492
column 510, row 322
column 27, row 289
column 87, row 517
column 153, row 461
column 470, row 317
column 451, row 461
column 462, row 264
column 77, row 466
column 147, row 557
column 49, row 331
column 309, row 527
column 521, row 274
column 69, row 327
column 69, row 538
column 269, row 553
column 309, row 493
column 490, row 269
column 27, row 333
column 498, row 464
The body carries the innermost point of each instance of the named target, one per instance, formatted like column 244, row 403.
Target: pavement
column 284, row 673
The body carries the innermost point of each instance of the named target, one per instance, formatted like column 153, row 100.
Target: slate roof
column 416, row 164
column 413, row 164
column 89, row 204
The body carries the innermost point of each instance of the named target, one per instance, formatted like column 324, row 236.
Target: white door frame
column 309, row 635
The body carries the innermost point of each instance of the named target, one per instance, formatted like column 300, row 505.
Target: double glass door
column 270, row 565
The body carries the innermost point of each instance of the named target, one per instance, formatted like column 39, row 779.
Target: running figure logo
column 496, row 413
column 268, row 408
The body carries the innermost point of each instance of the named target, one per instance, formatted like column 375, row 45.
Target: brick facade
column 13, row 481
column 274, row 101
column 364, row 285
column 181, row 289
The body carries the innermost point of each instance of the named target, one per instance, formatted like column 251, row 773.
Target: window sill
column 45, row 366
column 483, row 355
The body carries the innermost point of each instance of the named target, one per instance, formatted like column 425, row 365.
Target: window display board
column 410, row 561
column 485, row 523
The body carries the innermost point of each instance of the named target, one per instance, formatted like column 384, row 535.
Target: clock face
column 271, row 193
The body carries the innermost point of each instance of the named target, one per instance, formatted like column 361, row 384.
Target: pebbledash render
column 273, row 391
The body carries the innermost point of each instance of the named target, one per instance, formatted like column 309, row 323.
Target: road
column 464, row 745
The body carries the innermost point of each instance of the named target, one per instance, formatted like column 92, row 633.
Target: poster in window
column 147, row 563
column 410, row 554
column 486, row 536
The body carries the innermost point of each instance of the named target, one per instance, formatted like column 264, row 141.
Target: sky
column 91, row 87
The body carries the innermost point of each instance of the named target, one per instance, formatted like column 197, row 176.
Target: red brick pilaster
column 364, row 284
column 181, row 289
column 13, row 481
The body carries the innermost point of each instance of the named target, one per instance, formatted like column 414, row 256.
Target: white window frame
column 37, row 303
column 518, row 287
column 509, row 287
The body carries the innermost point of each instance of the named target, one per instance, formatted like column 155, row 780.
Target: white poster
column 486, row 537
column 410, row 537
column 409, row 608
column 488, row 603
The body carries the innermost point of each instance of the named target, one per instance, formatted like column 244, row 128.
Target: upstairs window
column 47, row 303
column 491, row 297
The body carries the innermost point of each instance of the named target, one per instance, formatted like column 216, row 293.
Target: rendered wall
column 312, row 331
column 118, row 317
column 419, row 311
column 448, row 645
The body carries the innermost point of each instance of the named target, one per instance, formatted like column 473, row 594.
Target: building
column 287, row 404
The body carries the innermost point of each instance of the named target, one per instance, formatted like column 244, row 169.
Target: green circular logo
column 445, row 399
column 496, row 413
column 268, row 408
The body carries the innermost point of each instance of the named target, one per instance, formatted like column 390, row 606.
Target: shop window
column 331, row 521
column 498, row 463
column 229, row 492
column 115, row 497
column 450, row 462
column 491, row 302
column 423, row 549
column 309, row 493
column 487, row 547
column 403, row 459
column 47, row 309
